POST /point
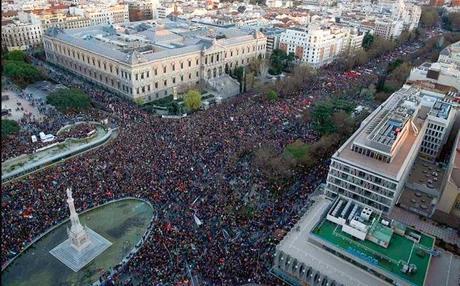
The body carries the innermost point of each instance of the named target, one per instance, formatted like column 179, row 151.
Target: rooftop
column 296, row 245
column 392, row 129
column 135, row 43
column 401, row 250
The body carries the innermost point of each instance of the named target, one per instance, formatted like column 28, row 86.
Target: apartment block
column 319, row 45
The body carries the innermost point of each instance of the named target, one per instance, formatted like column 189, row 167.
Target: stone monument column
column 77, row 234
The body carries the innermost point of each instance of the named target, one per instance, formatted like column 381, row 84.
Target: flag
column 197, row 220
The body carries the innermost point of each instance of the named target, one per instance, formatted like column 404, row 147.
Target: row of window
column 435, row 133
column 430, row 145
column 365, row 200
column 126, row 89
column 365, row 184
column 365, row 175
column 372, row 154
column 435, row 127
column 427, row 151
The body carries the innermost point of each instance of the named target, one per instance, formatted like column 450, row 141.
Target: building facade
column 320, row 45
column 151, row 64
column 372, row 167
column 16, row 35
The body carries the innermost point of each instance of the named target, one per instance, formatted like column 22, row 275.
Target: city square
column 217, row 143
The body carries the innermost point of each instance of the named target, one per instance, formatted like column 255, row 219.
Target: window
column 181, row 65
column 164, row 69
column 165, row 82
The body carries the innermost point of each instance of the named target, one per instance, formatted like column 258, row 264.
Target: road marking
column 448, row 271
column 410, row 255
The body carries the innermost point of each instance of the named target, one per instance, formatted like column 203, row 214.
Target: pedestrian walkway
column 445, row 233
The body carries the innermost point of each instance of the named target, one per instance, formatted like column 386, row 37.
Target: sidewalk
column 445, row 233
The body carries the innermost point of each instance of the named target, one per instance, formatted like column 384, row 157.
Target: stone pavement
column 430, row 227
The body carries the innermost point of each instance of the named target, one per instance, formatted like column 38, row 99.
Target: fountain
column 83, row 244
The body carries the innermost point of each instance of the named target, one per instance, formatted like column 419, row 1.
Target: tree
column 272, row 96
column 300, row 152
column 192, row 100
column 368, row 39
column 16, row 55
column 20, row 72
column 277, row 61
column 343, row 122
column 454, row 21
column 275, row 167
column 280, row 61
column 9, row 127
column 429, row 17
column 323, row 115
column 397, row 77
column 324, row 147
column 66, row 100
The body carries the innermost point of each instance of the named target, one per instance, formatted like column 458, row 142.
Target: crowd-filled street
column 200, row 165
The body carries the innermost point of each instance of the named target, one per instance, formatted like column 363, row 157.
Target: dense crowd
column 198, row 166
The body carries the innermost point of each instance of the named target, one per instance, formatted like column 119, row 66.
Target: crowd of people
column 198, row 166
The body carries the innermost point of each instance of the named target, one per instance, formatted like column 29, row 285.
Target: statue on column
column 77, row 233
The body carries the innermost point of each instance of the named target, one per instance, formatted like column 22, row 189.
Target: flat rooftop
column 147, row 41
column 400, row 250
column 392, row 131
column 297, row 245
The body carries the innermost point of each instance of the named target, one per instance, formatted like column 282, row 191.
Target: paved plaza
column 444, row 270
column 19, row 107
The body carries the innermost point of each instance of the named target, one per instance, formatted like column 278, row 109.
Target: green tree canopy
column 453, row 21
column 20, row 72
column 66, row 100
column 192, row 100
column 272, row 95
column 368, row 40
column 280, row 61
column 16, row 55
column 9, row 127
column 327, row 114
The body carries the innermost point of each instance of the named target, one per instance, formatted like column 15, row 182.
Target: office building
column 373, row 165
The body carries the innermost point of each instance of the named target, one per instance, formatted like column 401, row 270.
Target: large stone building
column 145, row 62
column 318, row 45
column 17, row 35
column 25, row 29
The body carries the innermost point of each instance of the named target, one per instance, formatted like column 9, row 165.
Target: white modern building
column 374, row 163
column 318, row 45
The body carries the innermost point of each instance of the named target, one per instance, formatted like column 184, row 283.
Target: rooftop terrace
column 391, row 259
